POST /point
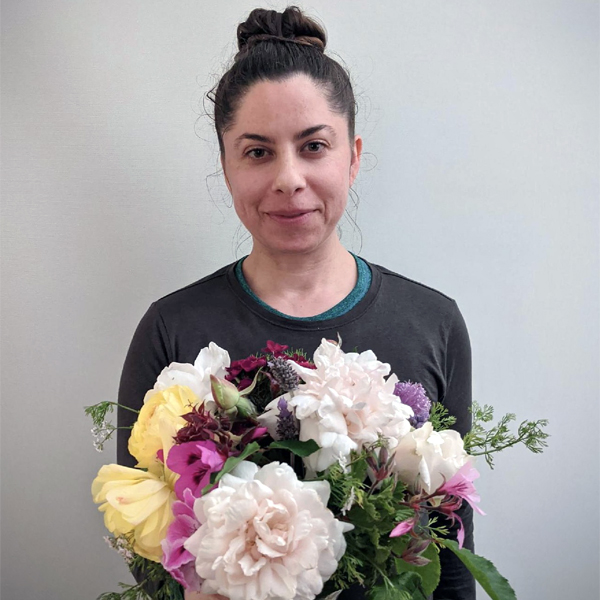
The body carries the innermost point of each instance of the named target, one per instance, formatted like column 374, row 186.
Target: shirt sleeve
column 456, row 581
column 148, row 355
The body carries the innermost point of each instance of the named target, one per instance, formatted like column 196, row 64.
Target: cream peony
column 211, row 360
column 345, row 403
column 266, row 535
column 137, row 502
column 158, row 422
column 424, row 459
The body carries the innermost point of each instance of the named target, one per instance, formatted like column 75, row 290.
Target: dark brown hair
column 273, row 46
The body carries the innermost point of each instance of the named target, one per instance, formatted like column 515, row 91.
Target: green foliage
column 440, row 418
column 429, row 573
column 374, row 510
column 297, row 447
column 485, row 442
column 404, row 586
column 495, row 585
column 103, row 430
column 231, row 463
column 99, row 411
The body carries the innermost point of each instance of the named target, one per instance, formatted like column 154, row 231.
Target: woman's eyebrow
column 256, row 137
column 316, row 128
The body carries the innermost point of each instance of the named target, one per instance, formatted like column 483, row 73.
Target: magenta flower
column 176, row 559
column 403, row 527
column 194, row 461
column 274, row 348
column 458, row 488
column 461, row 486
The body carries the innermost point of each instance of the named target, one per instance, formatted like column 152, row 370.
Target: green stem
column 123, row 406
column 497, row 448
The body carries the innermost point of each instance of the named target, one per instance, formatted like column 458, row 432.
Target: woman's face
column 289, row 164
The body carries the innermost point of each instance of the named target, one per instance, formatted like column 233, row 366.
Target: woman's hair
column 273, row 46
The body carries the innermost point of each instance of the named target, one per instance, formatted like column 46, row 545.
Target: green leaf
column 496, row 586
column 430, row 573
column 406, row 586
column 297, row 447
column 231, row 463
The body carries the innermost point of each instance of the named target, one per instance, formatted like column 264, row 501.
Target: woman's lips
column 291, row 218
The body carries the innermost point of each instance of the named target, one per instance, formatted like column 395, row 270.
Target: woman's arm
column 456, row 581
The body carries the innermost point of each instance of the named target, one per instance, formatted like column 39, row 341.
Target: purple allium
column 415, row 396
column 287, row 425
column 284, row 374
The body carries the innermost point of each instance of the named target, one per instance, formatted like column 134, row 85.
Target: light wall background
column 480, row 123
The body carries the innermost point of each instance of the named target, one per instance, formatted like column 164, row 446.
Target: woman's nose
column 289, row 177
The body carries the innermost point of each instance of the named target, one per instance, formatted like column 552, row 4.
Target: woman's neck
column 301, row 285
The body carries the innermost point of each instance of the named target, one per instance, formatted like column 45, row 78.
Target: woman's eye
column 314, row 147
column 256, row 153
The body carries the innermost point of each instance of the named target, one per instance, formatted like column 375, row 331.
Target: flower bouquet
column 280, row 477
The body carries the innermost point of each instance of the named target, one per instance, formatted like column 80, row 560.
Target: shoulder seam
column 220, row 273
column 385, row 271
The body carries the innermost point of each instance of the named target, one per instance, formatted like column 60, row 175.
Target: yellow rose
column 137, row 502
column 158, row 422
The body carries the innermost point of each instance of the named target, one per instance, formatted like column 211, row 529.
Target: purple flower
column 287, row 424
column 415, row 396
column 194, row 461
column 176, row 559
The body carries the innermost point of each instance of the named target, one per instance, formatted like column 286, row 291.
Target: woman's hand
column 200, row 596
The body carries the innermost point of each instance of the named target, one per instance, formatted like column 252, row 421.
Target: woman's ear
column 225, row 172
column 355, row 160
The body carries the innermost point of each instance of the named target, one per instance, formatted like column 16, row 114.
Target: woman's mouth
column 291, row 217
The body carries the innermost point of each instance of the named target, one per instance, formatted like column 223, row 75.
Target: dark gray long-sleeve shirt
column 416, row 329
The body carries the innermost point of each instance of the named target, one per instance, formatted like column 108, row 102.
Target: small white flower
column 265, row 535
column 350, row 502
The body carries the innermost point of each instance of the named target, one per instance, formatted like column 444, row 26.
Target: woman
column 284, row 117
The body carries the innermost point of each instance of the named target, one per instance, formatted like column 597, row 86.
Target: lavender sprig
column 287, row 424
column 284, row 374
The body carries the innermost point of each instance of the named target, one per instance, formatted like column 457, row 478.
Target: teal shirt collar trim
column 363, row 284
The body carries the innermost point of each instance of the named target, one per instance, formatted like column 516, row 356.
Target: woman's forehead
column 289, row 106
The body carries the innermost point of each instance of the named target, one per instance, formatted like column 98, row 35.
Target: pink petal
column 403, row 527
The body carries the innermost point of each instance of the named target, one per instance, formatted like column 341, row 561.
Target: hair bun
column 291, row 25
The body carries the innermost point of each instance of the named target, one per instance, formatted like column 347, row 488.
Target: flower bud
column 231, row 401
column 225, row 394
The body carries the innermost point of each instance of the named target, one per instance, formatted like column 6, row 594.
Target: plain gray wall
column 481, row 123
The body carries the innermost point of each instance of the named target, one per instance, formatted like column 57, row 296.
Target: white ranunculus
column 347, row 402
column 211, row 360
column 266, row 535
column 424, row 459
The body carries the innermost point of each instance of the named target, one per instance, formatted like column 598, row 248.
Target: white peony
column 264, row 535
column 211, row 360
column 345, row 403
column 424, row 459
